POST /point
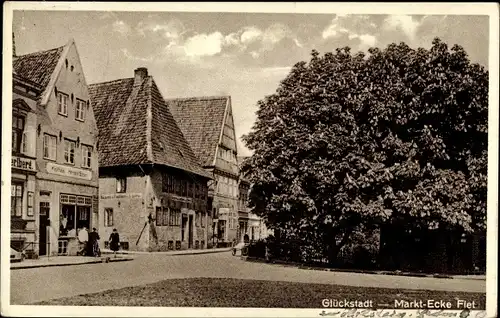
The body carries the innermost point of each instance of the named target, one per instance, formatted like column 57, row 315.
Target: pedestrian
column 83, row 238
column 114, row 241
column 94, row 242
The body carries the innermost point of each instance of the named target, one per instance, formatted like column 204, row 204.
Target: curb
column 71, row 264
column 359, row 271
column 206, row 251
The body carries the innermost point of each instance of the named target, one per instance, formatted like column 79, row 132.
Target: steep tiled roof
column 201, row 120
column 38, row 66
column 127, row 135
column 120, row 110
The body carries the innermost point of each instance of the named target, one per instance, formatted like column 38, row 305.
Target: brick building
column 54, row 180
column 151, row 187
column 207, row 124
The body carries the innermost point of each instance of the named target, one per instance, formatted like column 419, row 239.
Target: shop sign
column 121, row 196
column 181, row 199
column 69, row 171
column 23, row 163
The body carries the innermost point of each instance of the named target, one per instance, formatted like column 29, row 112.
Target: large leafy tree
column 347, row 141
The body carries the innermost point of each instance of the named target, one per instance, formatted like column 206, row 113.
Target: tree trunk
column 334, row 248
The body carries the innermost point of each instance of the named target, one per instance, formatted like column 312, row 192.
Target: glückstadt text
column 346, row 303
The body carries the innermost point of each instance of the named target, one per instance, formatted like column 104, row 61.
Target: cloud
column 250, row 34
column 132, row 57
column 204, row 44
column 172, row 29
column 403, row 23
column 121, row 27
column 352, row 27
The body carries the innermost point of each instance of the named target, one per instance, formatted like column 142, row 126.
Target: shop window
column 49, row 146
column 121, row 185
column 69, row 151
column 17, row 133
column 83, row 217
column 16, row 200
column 108, row 217
column 86, row 156
column 67, row 220
column 62, row 103
column 80, row 110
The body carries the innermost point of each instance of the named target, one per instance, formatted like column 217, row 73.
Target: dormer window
column 62, row 103
column 80, row 110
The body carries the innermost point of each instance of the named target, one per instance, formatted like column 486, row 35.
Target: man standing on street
column 94, row 242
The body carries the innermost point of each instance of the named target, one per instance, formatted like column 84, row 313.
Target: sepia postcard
column 250, row 159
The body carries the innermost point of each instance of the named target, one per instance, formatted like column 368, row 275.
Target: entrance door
column 44, row 216
column 190, row 232
column 183, row 227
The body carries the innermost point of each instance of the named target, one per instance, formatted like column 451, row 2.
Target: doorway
column 190, row 232
column 44, row 217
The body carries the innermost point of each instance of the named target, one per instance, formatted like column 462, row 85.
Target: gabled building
column 248, row 223
column 152, row 188
column 54, row 163
column 207, row 123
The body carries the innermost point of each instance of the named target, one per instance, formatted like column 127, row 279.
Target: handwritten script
column 395, row 313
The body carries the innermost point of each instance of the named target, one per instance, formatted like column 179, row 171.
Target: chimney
column 13, row 45
column 140, row 74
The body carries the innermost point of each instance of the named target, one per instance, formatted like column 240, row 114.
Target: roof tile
column 201, row 120
column 38, row 66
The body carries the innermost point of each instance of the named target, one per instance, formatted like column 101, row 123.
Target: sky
column 244, row 55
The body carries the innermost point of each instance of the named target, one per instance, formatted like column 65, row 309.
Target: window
column 108, row 217
column 197, row 219
column 69, row 151
column 62, row 104
column 175, row 215
column 202, row 217
column 159, row 216
column 16, row 200
column 167, row 183
column 24, row 147
column 30, row 203
column 189, row 189
column 80, row 110
column 17, row 133
column 87, row 156
column 121, row 185
column 165, row 216
column 49, row 147
column 183, row 188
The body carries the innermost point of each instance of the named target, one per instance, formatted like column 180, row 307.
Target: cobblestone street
column 57, row 282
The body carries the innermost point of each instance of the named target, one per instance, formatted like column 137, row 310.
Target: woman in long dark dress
column 114, row 241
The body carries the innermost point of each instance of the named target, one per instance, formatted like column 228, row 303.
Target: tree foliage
column 398, row 135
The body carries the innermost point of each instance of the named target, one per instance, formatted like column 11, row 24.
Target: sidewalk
column 65, row 261
column 361, row 271
column 172, row 253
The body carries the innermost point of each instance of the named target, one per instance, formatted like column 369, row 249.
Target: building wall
column 24, row 169
column 142, row 197
column 129, row 208
column 56, row 177
column 189, row 207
